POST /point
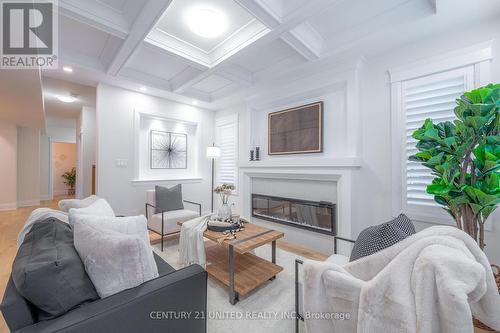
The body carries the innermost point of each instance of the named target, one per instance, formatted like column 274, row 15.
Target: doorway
column 64, row 161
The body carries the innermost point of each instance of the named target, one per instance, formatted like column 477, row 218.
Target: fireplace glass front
column 317, row 216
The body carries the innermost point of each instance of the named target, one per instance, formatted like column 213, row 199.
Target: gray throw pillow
column 48, row 272
column 378, row 237
column 168, row 198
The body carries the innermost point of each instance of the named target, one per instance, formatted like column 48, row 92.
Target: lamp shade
column 213, row 152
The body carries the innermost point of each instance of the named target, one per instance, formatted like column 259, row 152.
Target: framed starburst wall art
column 168, row 150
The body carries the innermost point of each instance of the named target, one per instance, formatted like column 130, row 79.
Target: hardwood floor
column 12, row 221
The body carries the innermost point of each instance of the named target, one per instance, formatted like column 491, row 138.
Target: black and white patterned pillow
column 378, row 237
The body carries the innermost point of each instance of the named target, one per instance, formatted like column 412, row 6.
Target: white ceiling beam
column 312, row 8
column 96, row 15
column 236, row 74
column 145, row 21
column 305, row 40
column 67, row 57
column 146, row 79
column 190, row 80
column 199, row 95
column 262, row 11
column 181, row 78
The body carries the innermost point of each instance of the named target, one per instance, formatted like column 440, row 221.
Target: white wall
column 116, row 139
column 45, row 160
column 8, row 166
column 86, row 151
column 334, row 134
column 371, row 192
column 28, row 166
column 63, row 160
column 61, row 129
column 148, row 124
column 372, row 185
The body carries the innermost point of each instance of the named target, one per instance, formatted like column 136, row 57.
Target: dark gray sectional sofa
column 153, row 306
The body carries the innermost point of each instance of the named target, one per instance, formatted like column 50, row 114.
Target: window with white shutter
column 425, row 89
column 226, row 137
column 432, row 97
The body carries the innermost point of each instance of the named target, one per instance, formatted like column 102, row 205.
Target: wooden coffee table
column 232, row 264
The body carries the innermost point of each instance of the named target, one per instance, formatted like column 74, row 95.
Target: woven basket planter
column 477, row 323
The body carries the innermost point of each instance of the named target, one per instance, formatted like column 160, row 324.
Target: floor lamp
column 213, row 152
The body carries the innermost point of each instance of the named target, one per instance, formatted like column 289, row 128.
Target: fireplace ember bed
column 317, row 216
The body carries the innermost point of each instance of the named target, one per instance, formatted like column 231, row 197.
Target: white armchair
column 335, row 258
column 165, row 223
column 432, row 281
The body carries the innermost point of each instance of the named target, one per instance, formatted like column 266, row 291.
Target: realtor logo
column 29, row 34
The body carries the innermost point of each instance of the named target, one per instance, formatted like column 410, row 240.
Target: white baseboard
column 8, row 206
column 45, row 197
column 28, row 203
column 60, row 192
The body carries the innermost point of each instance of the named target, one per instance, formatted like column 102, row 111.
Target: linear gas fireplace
column 318, row 216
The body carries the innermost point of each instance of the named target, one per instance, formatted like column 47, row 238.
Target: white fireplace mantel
column 317, row 163
column 333, row 170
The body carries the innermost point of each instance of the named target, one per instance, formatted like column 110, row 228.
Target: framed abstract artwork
column 168, row 150
column 297, row 130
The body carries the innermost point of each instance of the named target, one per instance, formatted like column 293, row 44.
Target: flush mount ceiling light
column 206, row 22
column 67, row 99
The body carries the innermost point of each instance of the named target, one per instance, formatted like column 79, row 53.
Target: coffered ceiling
column 157, row 46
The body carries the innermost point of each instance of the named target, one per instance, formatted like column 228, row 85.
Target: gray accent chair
column 144, row 308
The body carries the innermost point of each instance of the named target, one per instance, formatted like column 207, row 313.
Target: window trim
column 223, row 121
column 479, row 57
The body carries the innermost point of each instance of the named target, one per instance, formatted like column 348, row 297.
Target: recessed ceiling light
column 68, row 69
column 206, row 22
column 194, row 102
column 143, row 88
column 67, row 99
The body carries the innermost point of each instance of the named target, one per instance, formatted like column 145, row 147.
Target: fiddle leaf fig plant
column 464, row 157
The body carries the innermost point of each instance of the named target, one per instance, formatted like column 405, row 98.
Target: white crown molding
column 96, row 15
column 262, row 11
column 226, row 51
column 318, row 78
column 247, row 34
column 459, row 58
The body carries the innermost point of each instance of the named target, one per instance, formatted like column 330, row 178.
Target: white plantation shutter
column 432, row 97
column 226, row 138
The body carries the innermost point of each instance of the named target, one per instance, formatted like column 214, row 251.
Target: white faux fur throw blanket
column 431, row 282
column 192, row 243
column 37, row 215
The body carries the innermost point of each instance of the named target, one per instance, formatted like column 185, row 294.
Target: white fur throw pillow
column 67, row 204
column 129, row 225
column 100, row 208
column 114, row 261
